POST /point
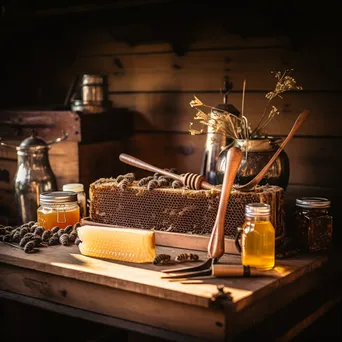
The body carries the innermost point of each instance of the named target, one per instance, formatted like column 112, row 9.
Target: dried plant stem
column 267, row 121
column 245, row 127
column 233, row 127
column 266, row 107
column 243, row 98
column 261, row 119
column 237, row 127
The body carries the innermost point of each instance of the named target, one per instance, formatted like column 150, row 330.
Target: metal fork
column 216, row 242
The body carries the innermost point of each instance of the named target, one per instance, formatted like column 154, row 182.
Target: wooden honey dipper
column 191, row 180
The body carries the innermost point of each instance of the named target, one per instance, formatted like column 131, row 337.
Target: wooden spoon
column 255, row 181
column 216, row 242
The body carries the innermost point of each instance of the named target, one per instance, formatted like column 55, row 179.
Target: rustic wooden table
column 135, row 298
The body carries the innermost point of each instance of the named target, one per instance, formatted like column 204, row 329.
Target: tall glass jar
column 313, row 223
column 258, row 237
column 58, row 208
column 81, row 196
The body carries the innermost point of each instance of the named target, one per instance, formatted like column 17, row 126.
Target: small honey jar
column 313, row 223
column 58, row 208
column 257, row 237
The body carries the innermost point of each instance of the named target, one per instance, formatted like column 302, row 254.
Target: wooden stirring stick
column 192, row 180
column 256, row 180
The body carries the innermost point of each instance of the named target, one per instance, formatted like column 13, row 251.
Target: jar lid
column 257, row 209
column 313, row 202
column 58, row 197
column 77, row 187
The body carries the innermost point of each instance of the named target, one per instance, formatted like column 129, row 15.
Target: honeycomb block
column 123, row 244
column 177, row 210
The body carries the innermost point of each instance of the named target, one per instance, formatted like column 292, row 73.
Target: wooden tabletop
column 136, row 292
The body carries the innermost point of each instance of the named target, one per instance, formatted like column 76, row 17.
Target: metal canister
column 91, row 95
column 313, row 223
column 33, row 176
column 94, row 89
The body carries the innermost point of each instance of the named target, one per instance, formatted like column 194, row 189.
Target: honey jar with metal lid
column 58, row 208
column 314, row 223
column 257, row 237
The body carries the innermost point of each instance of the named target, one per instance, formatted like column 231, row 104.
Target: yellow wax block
column 124, row 244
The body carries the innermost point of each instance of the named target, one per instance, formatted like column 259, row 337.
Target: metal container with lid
column 91, row 94
column 313, row 223
column 34, row 174
column 58, row 208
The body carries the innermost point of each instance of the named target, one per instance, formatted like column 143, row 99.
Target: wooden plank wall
column 155, row 82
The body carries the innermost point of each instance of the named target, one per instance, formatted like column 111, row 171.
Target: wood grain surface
column 68, row 262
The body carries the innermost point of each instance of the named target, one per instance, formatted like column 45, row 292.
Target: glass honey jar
column 81, row 196
column 257, row 237
column 313, row 223
column 58, row 208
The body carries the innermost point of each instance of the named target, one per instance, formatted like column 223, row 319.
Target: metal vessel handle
column 6, row 145
column 65, row 136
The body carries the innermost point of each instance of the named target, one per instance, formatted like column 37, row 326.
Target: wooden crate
column 90, row 152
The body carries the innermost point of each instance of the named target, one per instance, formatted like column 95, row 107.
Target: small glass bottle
column 81, row 196
column 58, row 208
column 258, row 237
column 313, row 223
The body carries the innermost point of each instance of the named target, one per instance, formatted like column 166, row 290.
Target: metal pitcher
column 34, row 174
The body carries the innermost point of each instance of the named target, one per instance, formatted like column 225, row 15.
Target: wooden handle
column 222, row 270
column 255, row 181
column 148, row 167
column 189, row 179
column 216, row 242
column 225, row 270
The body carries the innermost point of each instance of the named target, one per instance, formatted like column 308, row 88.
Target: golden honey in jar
column 58, row 208
column 258, row 237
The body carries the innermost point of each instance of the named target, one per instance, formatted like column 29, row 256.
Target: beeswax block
column 123, row 244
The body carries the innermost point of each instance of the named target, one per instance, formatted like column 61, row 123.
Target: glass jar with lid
column 81, row 196
column 58, row 208
column 313, row 223
column 258, row 237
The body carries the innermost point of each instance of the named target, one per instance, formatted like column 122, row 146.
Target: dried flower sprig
column 235, row 127
column 223, row 122
column 285, row 82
